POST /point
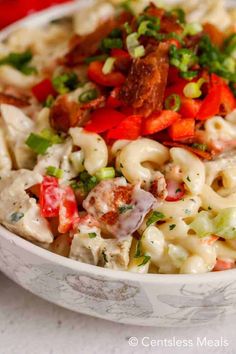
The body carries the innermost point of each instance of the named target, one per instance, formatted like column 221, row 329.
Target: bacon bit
column 12, row 100
column 86, row 46
column 217, row 37
column 145, row 86
column 169, row 23
column 65, row 114
column 123, row 195
column 203, row 154
column 223, row 264
column 110, row 218
column 94, row 104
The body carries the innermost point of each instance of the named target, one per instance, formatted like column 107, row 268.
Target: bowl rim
column 36, row 20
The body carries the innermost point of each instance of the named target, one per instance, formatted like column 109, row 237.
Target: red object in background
column 13, row 10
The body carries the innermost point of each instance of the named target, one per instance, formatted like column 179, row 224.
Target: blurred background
column 13, row 10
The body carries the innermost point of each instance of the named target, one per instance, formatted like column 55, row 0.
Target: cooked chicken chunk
column 118, row 206
column 20, row 213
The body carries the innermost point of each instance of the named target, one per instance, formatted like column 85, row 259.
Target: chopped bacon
column 123, row 195
column 86, row 46
column 169, row 23
column 12, row 100
column 203, row 154
column 94, row 104
column 65, row 114
column 145, row 85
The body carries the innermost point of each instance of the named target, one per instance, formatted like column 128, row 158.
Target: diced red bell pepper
column 104, row 119
column 113, row 101
column 43, row 89
column 68, row 211
column 95, row 74
column 189, row 107
column 182, row 129
column 220, row 99
column 129, row 128
column 175, row 191
column 158, row 121
column 177, row 88
column 119, row 53
column 50, row 196
column 228, row 102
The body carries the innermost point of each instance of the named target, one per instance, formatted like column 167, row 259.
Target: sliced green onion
column 230, row 45
column 173, row 103
column 180, row 14
column 92, row 234
column 182, row 58
column 87, row 182
column 49, row 101
column 105, row 173
column 38, row 144
column 110, row 43
column 192, row 29
column 108, row 65
column 20, row 62
column 230, row 64
column 154, row 217
column 189, row 75
column 101, row 57
column 50, row 135
column 65, row 83
column 203, row 224
column 127, row 27
column 148, row 28
column 88, row 96
column 54, row 172
column 193, row 89
column 202, row 147
column 146, row 259
column 134, row 48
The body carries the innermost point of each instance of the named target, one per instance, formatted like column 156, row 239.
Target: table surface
column 29, row 325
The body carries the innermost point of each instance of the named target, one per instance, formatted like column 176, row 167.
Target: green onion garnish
column 88, row 96
column 202, row 147
column 20, row 62
column 92, row 234
column 38, row 144
column 192, row 29
column 108, row 65
column 65, row 83
column 101, row 57
column 54, row 172
column 105, row 173
column 146, row 259
column 193, row 89
column 134, row 48
column 110, row 43
column 49, row 101
column 173, row 103
column 50, row 135
column 180, row 15
column 154, row 217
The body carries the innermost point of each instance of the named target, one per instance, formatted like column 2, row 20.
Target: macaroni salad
column 118, row 136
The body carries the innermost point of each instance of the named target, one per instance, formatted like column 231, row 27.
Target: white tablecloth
column 29, row 325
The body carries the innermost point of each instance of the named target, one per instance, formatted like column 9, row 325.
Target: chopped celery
column 225, row 223
column 203, row 224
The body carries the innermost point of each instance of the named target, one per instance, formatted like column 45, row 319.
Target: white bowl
column 140, row 299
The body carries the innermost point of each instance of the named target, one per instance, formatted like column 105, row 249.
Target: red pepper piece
column 182, row 129
column 68, row 211
column 50, row 196
column 104, row 119
column 129, row 128
column 43, row 89
column 95, row 74
column 158, row 121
